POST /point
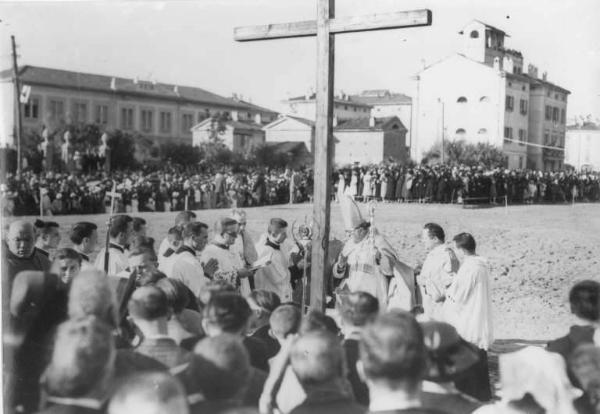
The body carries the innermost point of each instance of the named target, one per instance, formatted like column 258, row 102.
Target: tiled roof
column 287, row 146
column 336, row 100
column 381, row 124
column 102, row 83
column 302, row 120
column 587, row 126
column 382, row 99
column 244, row 125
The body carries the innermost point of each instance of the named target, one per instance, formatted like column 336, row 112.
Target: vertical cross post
column 323, row 145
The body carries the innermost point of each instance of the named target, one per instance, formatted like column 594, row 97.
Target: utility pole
column 443, row 132
column 17, row 103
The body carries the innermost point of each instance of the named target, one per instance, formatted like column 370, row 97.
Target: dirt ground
column 536, row 253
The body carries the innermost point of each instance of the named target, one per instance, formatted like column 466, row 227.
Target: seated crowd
column 140, row 341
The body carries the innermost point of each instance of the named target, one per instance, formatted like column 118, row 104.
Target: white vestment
column 436, row 275
column 229, row 262
column 364, row 274
column 187, row 268
column 117, row 259
column 276, row 276
column 468, row 305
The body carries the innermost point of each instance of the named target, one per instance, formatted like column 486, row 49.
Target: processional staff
column 113, row 194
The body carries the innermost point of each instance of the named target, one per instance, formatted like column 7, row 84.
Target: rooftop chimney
column 113, row 83
column 545, row 76
column 372, row 122
column 532, row 71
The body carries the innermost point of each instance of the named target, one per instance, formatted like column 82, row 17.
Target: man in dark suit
column 19, row 253
column 218, row 375
column 357, row 310
column 584, row 299
column 393, row 362
column 230, row 313
column 80, row 372
column 317, row 361
column 148, row 307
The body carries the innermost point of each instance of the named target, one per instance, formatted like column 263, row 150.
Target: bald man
column 19, row 253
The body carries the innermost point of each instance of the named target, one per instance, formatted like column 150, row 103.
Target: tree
column 461, row 152
column 265, row 155
column 183, row 154
column 122, row 150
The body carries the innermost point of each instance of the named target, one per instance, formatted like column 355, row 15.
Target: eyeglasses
column 232, row 234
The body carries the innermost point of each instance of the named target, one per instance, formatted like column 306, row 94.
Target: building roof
column 347, row 101
column 283, row 118
column 586, row 126
column 287, row 146
column 362, row 124
column 381, row 97
column 102, row 83
column 234, row 124
column 487, row 26
column 255, row 107
column 521, row 76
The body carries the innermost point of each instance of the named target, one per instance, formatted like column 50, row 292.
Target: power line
column 533, row 145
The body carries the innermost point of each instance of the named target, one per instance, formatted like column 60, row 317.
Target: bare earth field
column 536, row 253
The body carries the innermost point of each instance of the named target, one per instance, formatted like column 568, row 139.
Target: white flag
column 25, row 92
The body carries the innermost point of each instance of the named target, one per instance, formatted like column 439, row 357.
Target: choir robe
column 229, row 262
column 435, row 277
column 188, row 269
column 276, row 276
column 117, row 259
column 86, row 263
column 468, row 305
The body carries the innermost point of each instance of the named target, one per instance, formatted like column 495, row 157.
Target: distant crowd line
column 177, row 189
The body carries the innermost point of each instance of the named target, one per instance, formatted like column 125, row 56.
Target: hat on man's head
column 449, row 355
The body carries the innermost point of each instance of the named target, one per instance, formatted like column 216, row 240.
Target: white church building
column 482, row 96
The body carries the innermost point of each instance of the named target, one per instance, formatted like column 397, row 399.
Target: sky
column 191, row 43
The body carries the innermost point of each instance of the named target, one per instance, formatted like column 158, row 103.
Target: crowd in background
column 168, row 189
column 446, row 184
column 175, row 189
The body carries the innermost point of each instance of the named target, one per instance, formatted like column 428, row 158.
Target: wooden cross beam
column 325, row 27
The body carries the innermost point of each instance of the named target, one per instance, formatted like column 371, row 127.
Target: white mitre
column 350, row 213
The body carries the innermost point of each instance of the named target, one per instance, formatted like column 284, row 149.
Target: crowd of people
column 446, row 184
column 168, row 189
column 211, row 322
column 175, row 189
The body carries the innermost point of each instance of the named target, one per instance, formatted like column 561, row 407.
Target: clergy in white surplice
column 231, row 267
column 186, row 263
column 279, row 254
column 468, row 305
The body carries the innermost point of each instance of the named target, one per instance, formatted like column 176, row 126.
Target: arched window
column 461, row 99
column 460, row 131
column 482, row 131
column 474, row 34
column 484, row 99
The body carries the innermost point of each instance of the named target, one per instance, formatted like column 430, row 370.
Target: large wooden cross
column 325, row 27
